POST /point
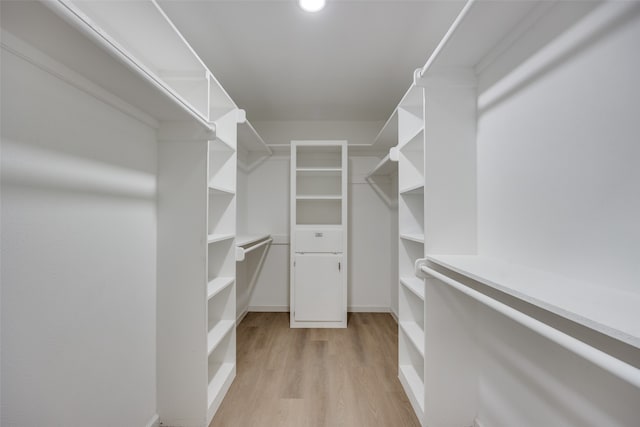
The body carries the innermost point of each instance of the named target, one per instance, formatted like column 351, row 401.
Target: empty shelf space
column 412, row 100
column 319, row 170
column 606, row 310
column 388, row 135
column 213, row 238
column 218, row 189
column 217, row 333
column 385, row 167
column 415, row 189
column 414, row 285
column 222, row 145
column 223, row 374
column 415, row 335
column 217, row 285
column 250, row 140
column 414, row 237
column 415, row 143
column 414, row 386
column 319, row 197
column 410, row 124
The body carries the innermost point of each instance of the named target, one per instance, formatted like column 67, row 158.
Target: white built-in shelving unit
column 221, row 257
column 157, row 78
column 410, row 151
column 443, row 196
column 319, row 234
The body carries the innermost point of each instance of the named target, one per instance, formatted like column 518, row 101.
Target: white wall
column 558, row 186
column 371, row 258
column 558, row 162
column 78, row 257
column 242, row 277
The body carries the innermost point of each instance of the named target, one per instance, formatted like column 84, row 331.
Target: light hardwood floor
column 316, row 377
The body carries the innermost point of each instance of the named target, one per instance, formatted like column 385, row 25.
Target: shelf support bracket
column 394, row 154
column 418, row 80
column 241, row 115
column 417, row 268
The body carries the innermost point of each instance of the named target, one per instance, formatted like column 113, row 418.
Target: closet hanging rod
column 449, row 34
column 617, row 367
column 241, row 252
column 257, row 245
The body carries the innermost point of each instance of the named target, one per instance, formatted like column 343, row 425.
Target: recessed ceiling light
column 312, row 5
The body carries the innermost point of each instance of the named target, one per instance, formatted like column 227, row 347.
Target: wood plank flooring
column 316, row 377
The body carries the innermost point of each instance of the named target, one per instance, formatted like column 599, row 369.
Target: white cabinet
column 318, row 234
column 318, row 281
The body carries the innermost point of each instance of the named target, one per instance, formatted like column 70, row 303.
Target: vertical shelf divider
column 411, row 247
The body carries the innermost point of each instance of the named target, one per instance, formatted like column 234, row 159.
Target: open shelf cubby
column 221, row 214
column 319, row 184
column 221, row 259
column 319, row 211
column 319, row 158
column 411, row 371
column 222, row 167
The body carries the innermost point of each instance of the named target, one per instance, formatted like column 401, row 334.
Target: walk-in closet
column 329, row 213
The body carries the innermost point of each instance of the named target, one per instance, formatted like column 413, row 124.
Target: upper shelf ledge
column 606, row 310
column 160, row 54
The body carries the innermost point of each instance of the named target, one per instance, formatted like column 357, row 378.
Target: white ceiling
column 352, row 61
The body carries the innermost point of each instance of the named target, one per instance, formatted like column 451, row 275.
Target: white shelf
column 483, row 28
column 220, row 144
column 250, row 140
column 414, row 285
column 217, row 285
column 217, row 333
column 414, row 386
column 414, row 237
column 384, row 168
column 415, row 142
column 319, row 197
column 216, row 387
column 213, row 238
column 603, row 309
column 160, row 57
column 415, row 335
column 388, row 135
column 318, row 226
column 217, row 189
column 247, row 239
column 415, row 189
column 313, row 170
column 412, row 98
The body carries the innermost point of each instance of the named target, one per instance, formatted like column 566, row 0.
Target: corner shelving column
column 221, row 263
column 411, row 247
column 196, row 269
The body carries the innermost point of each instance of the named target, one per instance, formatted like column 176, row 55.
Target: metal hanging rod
column 617, row 367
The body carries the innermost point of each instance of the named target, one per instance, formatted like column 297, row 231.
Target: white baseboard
column 352, row 309
column 367, row 309
column 154, row 421
column 241, row 316
column 394, row 315
column 269, row 308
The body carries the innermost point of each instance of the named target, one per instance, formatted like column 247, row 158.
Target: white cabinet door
column 318, row 288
